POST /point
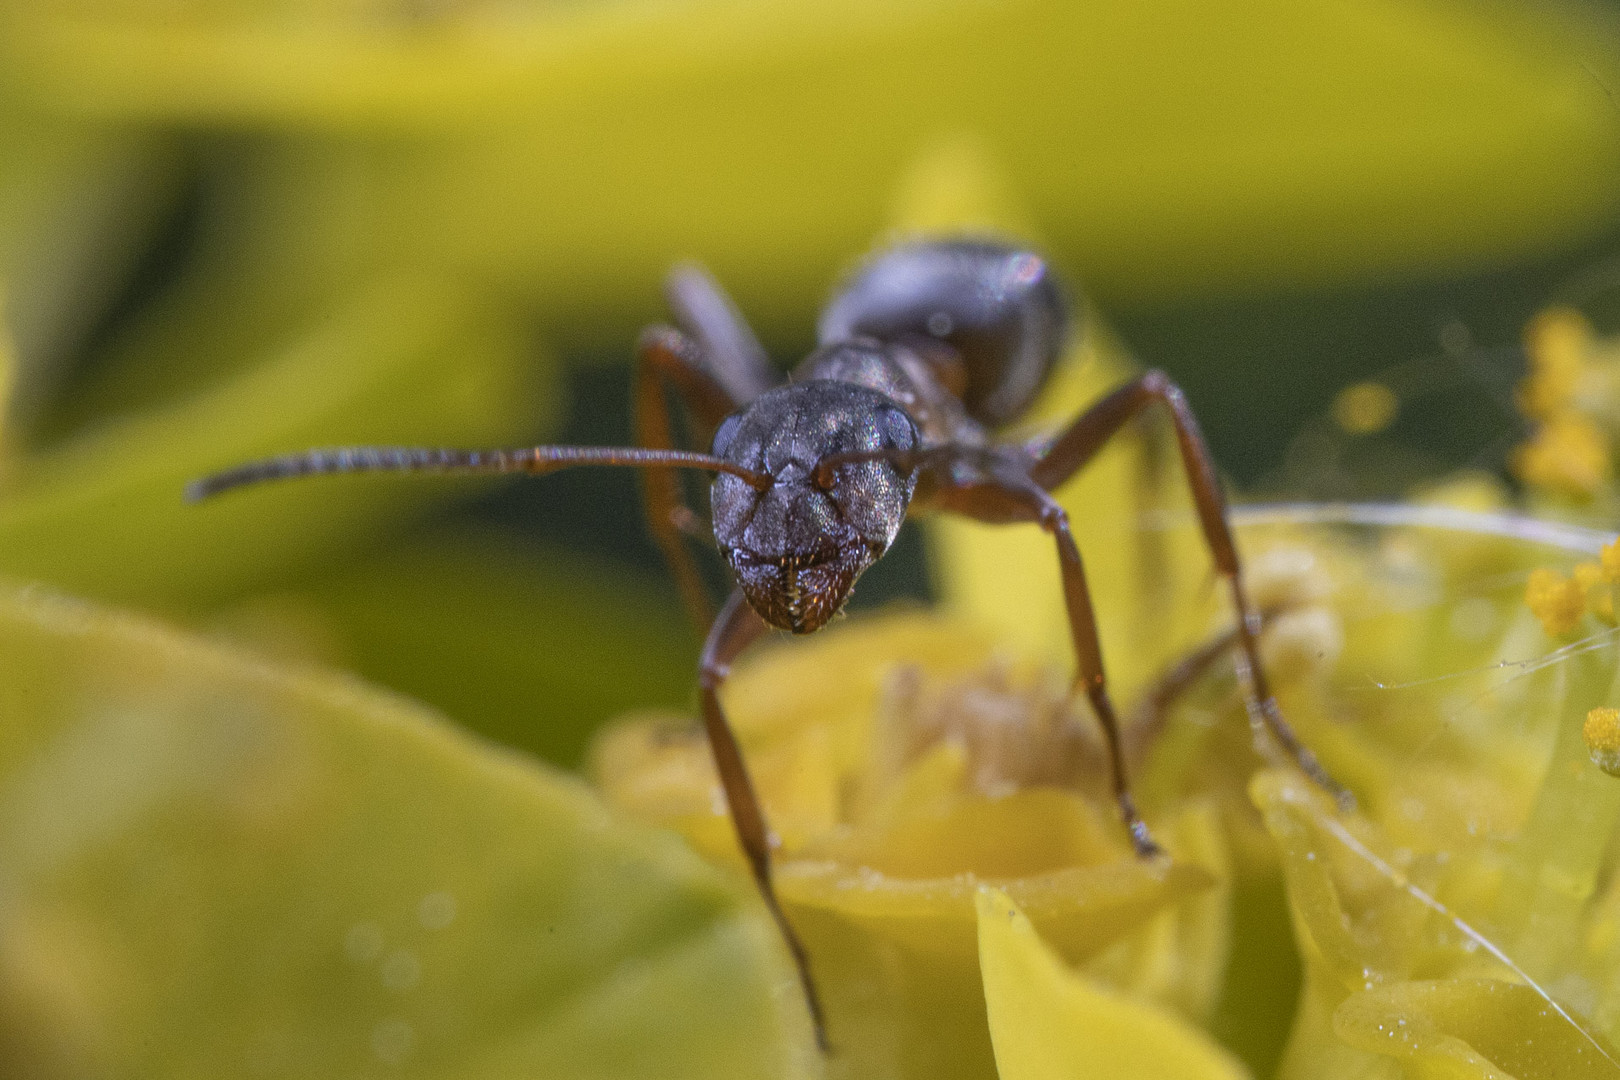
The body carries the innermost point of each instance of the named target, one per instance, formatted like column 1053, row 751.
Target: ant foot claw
column 1146, row 847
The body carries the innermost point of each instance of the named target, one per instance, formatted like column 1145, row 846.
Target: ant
column 927, row 349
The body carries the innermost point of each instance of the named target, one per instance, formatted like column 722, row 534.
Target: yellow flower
column 950, row 855
column 909, row 762
column 1051, row 1023
column 1365, row 408
column 1609, row 560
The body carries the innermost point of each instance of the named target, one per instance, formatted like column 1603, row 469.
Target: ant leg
column 669, row 360
column 1088, row 651
column 997, row 496
column 692, row 524
column 1150, row 715
column 704, row 311
column 1071, row 451
column 736, row 628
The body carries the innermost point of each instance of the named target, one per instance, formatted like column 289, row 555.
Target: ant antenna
column 530, row 459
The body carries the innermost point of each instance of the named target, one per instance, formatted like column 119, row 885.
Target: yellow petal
column 957, row 186
column 1558, row 341
column 1609, row 559
column 1569, row 455
column 1471, row 1029
column 1049, row 1023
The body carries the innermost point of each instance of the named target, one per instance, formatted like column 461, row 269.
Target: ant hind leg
column 670, row 360
column 1076, row 446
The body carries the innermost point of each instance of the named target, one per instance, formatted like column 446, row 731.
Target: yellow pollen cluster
column 1365, row 408
column 1568, row 453
column 1556, row 600
column 1595, row 590
column 1559, row 602
column 1602, row 734
column 1558, row 341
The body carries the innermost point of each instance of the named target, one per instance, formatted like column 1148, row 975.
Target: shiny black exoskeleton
column 926, row 346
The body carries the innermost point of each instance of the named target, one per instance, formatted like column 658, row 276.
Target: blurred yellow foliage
column 216, row 866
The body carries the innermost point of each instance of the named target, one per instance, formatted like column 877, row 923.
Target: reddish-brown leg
column 1079, row 444
column 998, row 494
column 1153, row 711
column 670, row 361
column 736, row 628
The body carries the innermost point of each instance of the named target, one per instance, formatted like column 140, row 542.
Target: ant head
column 797, row 546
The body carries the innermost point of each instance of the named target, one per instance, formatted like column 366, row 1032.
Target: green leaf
column 417, row 360
column 212, row 867
column 79, row 202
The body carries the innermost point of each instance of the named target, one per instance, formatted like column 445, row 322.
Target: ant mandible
column 927, row 349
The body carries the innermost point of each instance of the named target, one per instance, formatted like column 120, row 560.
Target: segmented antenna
column 530, row 459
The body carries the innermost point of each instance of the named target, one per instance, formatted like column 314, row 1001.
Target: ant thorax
column 916, row 375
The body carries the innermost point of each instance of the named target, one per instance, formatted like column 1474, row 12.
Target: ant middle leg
column 1088, row 652
column 998, row 496
column 1076, row 446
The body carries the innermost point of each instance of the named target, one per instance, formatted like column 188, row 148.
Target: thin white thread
column 1515, row 526
column 1400, row 881
column 1528, row 666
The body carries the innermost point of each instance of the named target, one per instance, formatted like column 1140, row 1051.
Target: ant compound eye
column 898, row 429
column 723, row 435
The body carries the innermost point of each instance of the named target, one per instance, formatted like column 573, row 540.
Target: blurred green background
column 230, row 229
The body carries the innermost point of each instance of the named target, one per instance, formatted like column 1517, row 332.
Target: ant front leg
column 1074, row 448
column 998, row 494
column 738, row 627
column 671, row 361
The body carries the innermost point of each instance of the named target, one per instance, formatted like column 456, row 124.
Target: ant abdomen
column 996, row 305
